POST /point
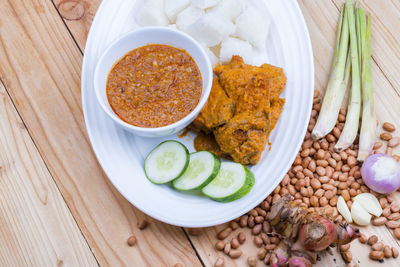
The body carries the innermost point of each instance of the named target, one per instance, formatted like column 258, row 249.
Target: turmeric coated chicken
column 242, row 110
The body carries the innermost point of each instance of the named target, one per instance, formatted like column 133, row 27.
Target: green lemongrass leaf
column 350, row 129
column 368, row 123
column 338, row 38
column 335, row 91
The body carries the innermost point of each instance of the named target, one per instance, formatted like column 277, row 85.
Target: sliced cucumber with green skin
column 232, row 182
column 202, row 169
column 166, row 162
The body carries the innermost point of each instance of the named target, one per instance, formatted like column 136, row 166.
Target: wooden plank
column 40, row 66
column 321, row 17
column 78, row 16
column 37, row 229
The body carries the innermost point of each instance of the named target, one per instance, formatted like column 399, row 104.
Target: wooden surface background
column 56, row 205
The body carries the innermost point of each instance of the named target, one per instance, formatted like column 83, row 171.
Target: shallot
column 381, row 173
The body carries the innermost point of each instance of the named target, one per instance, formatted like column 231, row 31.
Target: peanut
column 376, row 255
column 387, row 251
column 372, row 239
column 385, row 136
column 347, row 256
column 258, row 241
column 265, row 238
column 377, row 145
column 377, row 246
column 267, row 259
column 396, row 233
column 142, row 224
column 227, row 248
column 234, row 225
column 379, row 221
column 387, row 126
column 241, row 237
column 256, row 229
column 394, row 216
column 243, row 220
column 220, row 245
column 259, row 219
column 266, row 227
column 395, row 207
column 393, row 224
column 224, row 233
column 261, row 253
column 131, row 241
column 252, row 261
column 386, row 212
column 250, row 221
column 362, row 239
column 235, row 243
column 395, row 252
column 344, row 248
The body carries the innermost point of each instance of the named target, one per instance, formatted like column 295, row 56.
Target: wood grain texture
column 55, row 75
column 40, row 67
column 78, row 16
column 37, row 229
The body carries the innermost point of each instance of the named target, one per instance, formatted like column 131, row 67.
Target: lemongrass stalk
column 334, row 92
column 368, row 123
column 359, row 34
column 350, row 129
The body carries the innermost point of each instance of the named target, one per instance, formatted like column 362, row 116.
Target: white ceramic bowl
column 142, row 37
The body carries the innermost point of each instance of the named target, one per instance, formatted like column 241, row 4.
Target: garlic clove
column 344, row 210
column 359, row 214
column 370, row 203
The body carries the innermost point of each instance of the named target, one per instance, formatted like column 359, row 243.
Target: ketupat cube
column 233, row 46
column 151, row 13
column 188, row 16
column 173, row 7
column 230, row 9
column 211, row 29
column 253, row 27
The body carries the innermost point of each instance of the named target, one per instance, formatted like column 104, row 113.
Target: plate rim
column 310, row 79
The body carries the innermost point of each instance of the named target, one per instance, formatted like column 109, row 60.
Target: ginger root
column 305, row 233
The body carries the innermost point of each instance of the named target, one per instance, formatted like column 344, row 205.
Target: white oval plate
column 121, row 154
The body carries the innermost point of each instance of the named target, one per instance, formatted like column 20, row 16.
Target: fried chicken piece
column 207, row 142
column 242, row 130
column 276, row 111
column 244, row 137
column 217, row 111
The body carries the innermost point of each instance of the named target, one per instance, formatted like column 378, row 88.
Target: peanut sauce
column 154, row 86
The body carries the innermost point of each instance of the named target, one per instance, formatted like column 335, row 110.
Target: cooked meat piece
column 244, row 137
column 207, row 142
column 276, row 78
column 243, row 108
column 217, row 111
column 276, row 111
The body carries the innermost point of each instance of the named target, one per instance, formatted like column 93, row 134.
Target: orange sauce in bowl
column 154, row 86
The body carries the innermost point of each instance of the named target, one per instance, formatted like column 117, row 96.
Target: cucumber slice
column 202, row 169
column 166, row 162
column 232, row 182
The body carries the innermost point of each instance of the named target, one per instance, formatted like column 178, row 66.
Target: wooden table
column 56, row 205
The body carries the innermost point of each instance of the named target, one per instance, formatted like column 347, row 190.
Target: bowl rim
column 206, row 89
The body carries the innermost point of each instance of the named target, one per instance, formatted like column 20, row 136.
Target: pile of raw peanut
column 317, row 177
column 378, row 249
